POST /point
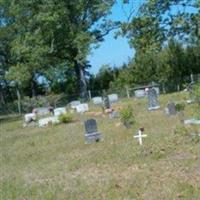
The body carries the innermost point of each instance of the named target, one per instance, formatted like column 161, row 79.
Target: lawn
column 54, row 163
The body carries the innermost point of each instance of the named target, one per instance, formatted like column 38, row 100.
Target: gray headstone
column 152, row 98
column 171, row 108
column 91, row 131
column 106, row 103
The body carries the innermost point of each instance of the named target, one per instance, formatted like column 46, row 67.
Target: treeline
column 44, row 45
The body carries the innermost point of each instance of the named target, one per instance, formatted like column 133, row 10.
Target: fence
column 27, row 104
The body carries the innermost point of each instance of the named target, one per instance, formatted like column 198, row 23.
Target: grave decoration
column 91, row 131
column 153, row 101
column 139, row 136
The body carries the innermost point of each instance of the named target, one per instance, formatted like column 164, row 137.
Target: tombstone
column 74, row 104
column 82, row 108
column 97, row 100
column 152, row 98
column 91, row 131
column 114, row 114
column 113, row 98
column 192, row 122
column 41, row 111
column 171, row 109
column 49, row 120
column 30, row 117
column 106, row 102
column 59, row 111
column 140, row 93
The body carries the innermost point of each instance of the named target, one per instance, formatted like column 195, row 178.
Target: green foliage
column 127, row 115
column 66, row 118
column 180, row 107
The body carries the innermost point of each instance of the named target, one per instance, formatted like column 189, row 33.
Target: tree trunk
column 82, row 81
column 33, row 90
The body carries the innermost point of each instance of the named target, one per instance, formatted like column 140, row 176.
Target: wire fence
column 61, row 100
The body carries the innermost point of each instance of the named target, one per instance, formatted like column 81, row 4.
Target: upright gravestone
column 74, row 104
column 106, row 103
column 152, row 98
column 81, row 108
column 97, row 100
column 60, row 111
column 171, row 109
column 91, row 131
column 113, row 98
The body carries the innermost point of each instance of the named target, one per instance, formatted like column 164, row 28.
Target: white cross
column 140, row 136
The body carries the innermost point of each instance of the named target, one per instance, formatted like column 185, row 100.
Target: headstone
column 114, row 114
column 97, row 100
column 152, row 98
column 192, row 122
column 82, row 108
column 140, row 93
column 41, row 111
column 59, row 111
column 74, row 104
column 171, row 109
column 46, row 121
column 113, row 98
column 91, row 131
column 106, row 102
column 30, row 117
column 140, row 135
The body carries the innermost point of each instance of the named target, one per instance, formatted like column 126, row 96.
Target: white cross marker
column 140, row 136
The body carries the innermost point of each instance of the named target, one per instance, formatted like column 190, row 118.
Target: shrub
column 127, row 116
column 66, row 118
column 180, row 107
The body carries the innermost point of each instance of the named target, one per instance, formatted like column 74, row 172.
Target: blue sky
column 112, row 51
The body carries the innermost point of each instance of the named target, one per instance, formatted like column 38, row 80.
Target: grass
column 54, row 163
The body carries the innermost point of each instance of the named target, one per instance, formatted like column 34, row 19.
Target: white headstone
column 74, row 104
column 59, row 111
column 140, row 136
column 113, row 98
column 97, row 100
column 45, row 121
column 82, row 108
column 140, row 93
column 30, row 117
column 192, row 122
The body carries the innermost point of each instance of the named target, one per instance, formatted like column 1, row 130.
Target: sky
column 112, row 51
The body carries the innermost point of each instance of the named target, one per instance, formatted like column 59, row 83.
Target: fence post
column 127, row 92
column 192, row 78
column 89, row 93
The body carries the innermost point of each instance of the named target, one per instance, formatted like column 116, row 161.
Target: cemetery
column 100, row 100
column 55, row 160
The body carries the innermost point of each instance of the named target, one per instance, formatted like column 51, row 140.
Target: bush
column 127, row 116
column 180, row 107
column 66, row 118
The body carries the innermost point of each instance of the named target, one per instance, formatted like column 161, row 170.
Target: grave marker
column 91, row 131
column 74, row 104
column 82, row 108
column 59, row 111
column 152, row 98
column 113, row 98
column 140, row 135
column 97, row 100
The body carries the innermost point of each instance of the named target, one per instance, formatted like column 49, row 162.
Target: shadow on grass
column 9, row 118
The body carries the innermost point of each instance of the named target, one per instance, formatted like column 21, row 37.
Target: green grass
column 54, row 163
